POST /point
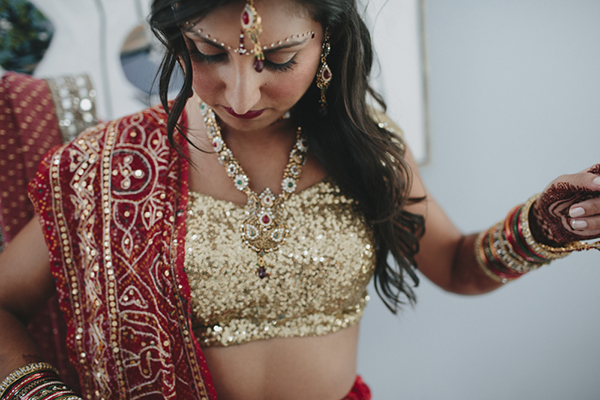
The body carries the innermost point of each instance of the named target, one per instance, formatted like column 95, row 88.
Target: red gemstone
column 266, row 219
column 262, row 273
column 327, row 74
column 245, row 18
column 259, row 65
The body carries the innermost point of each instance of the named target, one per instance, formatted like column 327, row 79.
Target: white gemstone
column 231, row 169
column 85, row 104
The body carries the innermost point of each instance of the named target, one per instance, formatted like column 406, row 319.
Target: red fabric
column 360, row 391
column 28, row 129
column 112, row 207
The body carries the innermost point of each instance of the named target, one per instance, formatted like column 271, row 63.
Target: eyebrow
column 220, row 45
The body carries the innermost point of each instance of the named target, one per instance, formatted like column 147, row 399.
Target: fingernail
column 597, row 181
column 578, row 224
column 576, row 212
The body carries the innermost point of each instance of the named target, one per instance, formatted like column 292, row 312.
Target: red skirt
column 360, row 391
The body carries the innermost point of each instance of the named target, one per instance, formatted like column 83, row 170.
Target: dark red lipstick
column 248, row 115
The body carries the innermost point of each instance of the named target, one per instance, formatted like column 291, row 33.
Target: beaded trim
column 264, row 229
column 75, row 103
column 242, row 50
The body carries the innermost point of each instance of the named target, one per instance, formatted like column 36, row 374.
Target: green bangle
column 22, row 372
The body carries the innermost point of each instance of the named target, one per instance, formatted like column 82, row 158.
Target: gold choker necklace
column 264, row 229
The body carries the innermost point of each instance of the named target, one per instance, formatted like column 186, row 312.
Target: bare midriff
column 318, row 367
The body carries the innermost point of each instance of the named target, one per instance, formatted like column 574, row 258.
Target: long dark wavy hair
column 364, row 159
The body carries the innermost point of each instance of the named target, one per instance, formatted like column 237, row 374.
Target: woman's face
column 243, row 98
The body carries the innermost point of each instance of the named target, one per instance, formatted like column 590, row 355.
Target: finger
column 586, row 208
column 587, row 228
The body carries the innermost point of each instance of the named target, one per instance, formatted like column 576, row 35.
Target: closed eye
column 281, row 67
column 200, row 57
column 206, row 58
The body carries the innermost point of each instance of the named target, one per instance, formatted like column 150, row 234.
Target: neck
column 281, row 132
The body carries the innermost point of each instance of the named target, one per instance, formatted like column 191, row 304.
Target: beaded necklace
column 264, row 229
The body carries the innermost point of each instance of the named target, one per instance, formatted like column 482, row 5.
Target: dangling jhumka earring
column 324, row 74
column 252, row 27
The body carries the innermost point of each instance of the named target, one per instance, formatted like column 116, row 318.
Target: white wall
column 88, row 39
column 514, row 100
column 398, row 74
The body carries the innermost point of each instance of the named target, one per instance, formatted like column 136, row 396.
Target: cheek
column 206, row 84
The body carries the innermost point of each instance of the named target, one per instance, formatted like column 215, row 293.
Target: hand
column 569, row 209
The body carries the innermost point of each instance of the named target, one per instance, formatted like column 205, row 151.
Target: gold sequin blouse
column 318, row 279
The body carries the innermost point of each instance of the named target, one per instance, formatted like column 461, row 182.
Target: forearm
column 466, row 277
column 16, row 346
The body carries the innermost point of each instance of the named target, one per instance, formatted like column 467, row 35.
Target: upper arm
column 439, row 246
column 26, row 282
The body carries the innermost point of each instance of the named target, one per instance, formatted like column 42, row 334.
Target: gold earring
column 324, row 74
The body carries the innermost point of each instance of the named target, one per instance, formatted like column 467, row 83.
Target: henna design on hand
column 549, row 218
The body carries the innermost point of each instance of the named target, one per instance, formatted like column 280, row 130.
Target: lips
column 248, row 115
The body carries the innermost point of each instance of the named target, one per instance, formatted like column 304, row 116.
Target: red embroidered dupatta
column 112, row 207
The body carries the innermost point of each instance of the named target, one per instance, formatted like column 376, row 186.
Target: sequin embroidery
column 318, row 283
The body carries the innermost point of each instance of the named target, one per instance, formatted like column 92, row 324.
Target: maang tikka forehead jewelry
column 252, row 27
column 251, row 23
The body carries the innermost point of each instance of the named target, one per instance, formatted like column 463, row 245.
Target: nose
column 243, row 86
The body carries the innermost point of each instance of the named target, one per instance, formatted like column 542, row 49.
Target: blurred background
column 496, row 98
column 513, row 93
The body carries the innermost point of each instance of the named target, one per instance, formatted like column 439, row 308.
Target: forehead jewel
column 252, row 27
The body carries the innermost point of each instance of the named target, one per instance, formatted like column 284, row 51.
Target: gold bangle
column 481, row 262
column 526, row 231
column 549, row 252
column 22, row 372
column 509, row 257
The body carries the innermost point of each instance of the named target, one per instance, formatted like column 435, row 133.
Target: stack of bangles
column 36, row 381
column 507, row 250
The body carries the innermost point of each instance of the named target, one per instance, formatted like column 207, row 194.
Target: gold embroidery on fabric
column 82, row 156
column 319, row 278
column 99, row 298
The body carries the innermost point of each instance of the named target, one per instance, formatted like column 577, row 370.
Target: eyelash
column 217, row 58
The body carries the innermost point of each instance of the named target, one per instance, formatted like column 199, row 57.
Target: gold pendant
column 264, row 229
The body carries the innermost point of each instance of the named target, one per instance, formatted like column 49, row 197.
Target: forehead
column 280, row 18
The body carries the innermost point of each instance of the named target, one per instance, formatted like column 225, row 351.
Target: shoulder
column 141, row 132
column 384, row 121
column 137, row 128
